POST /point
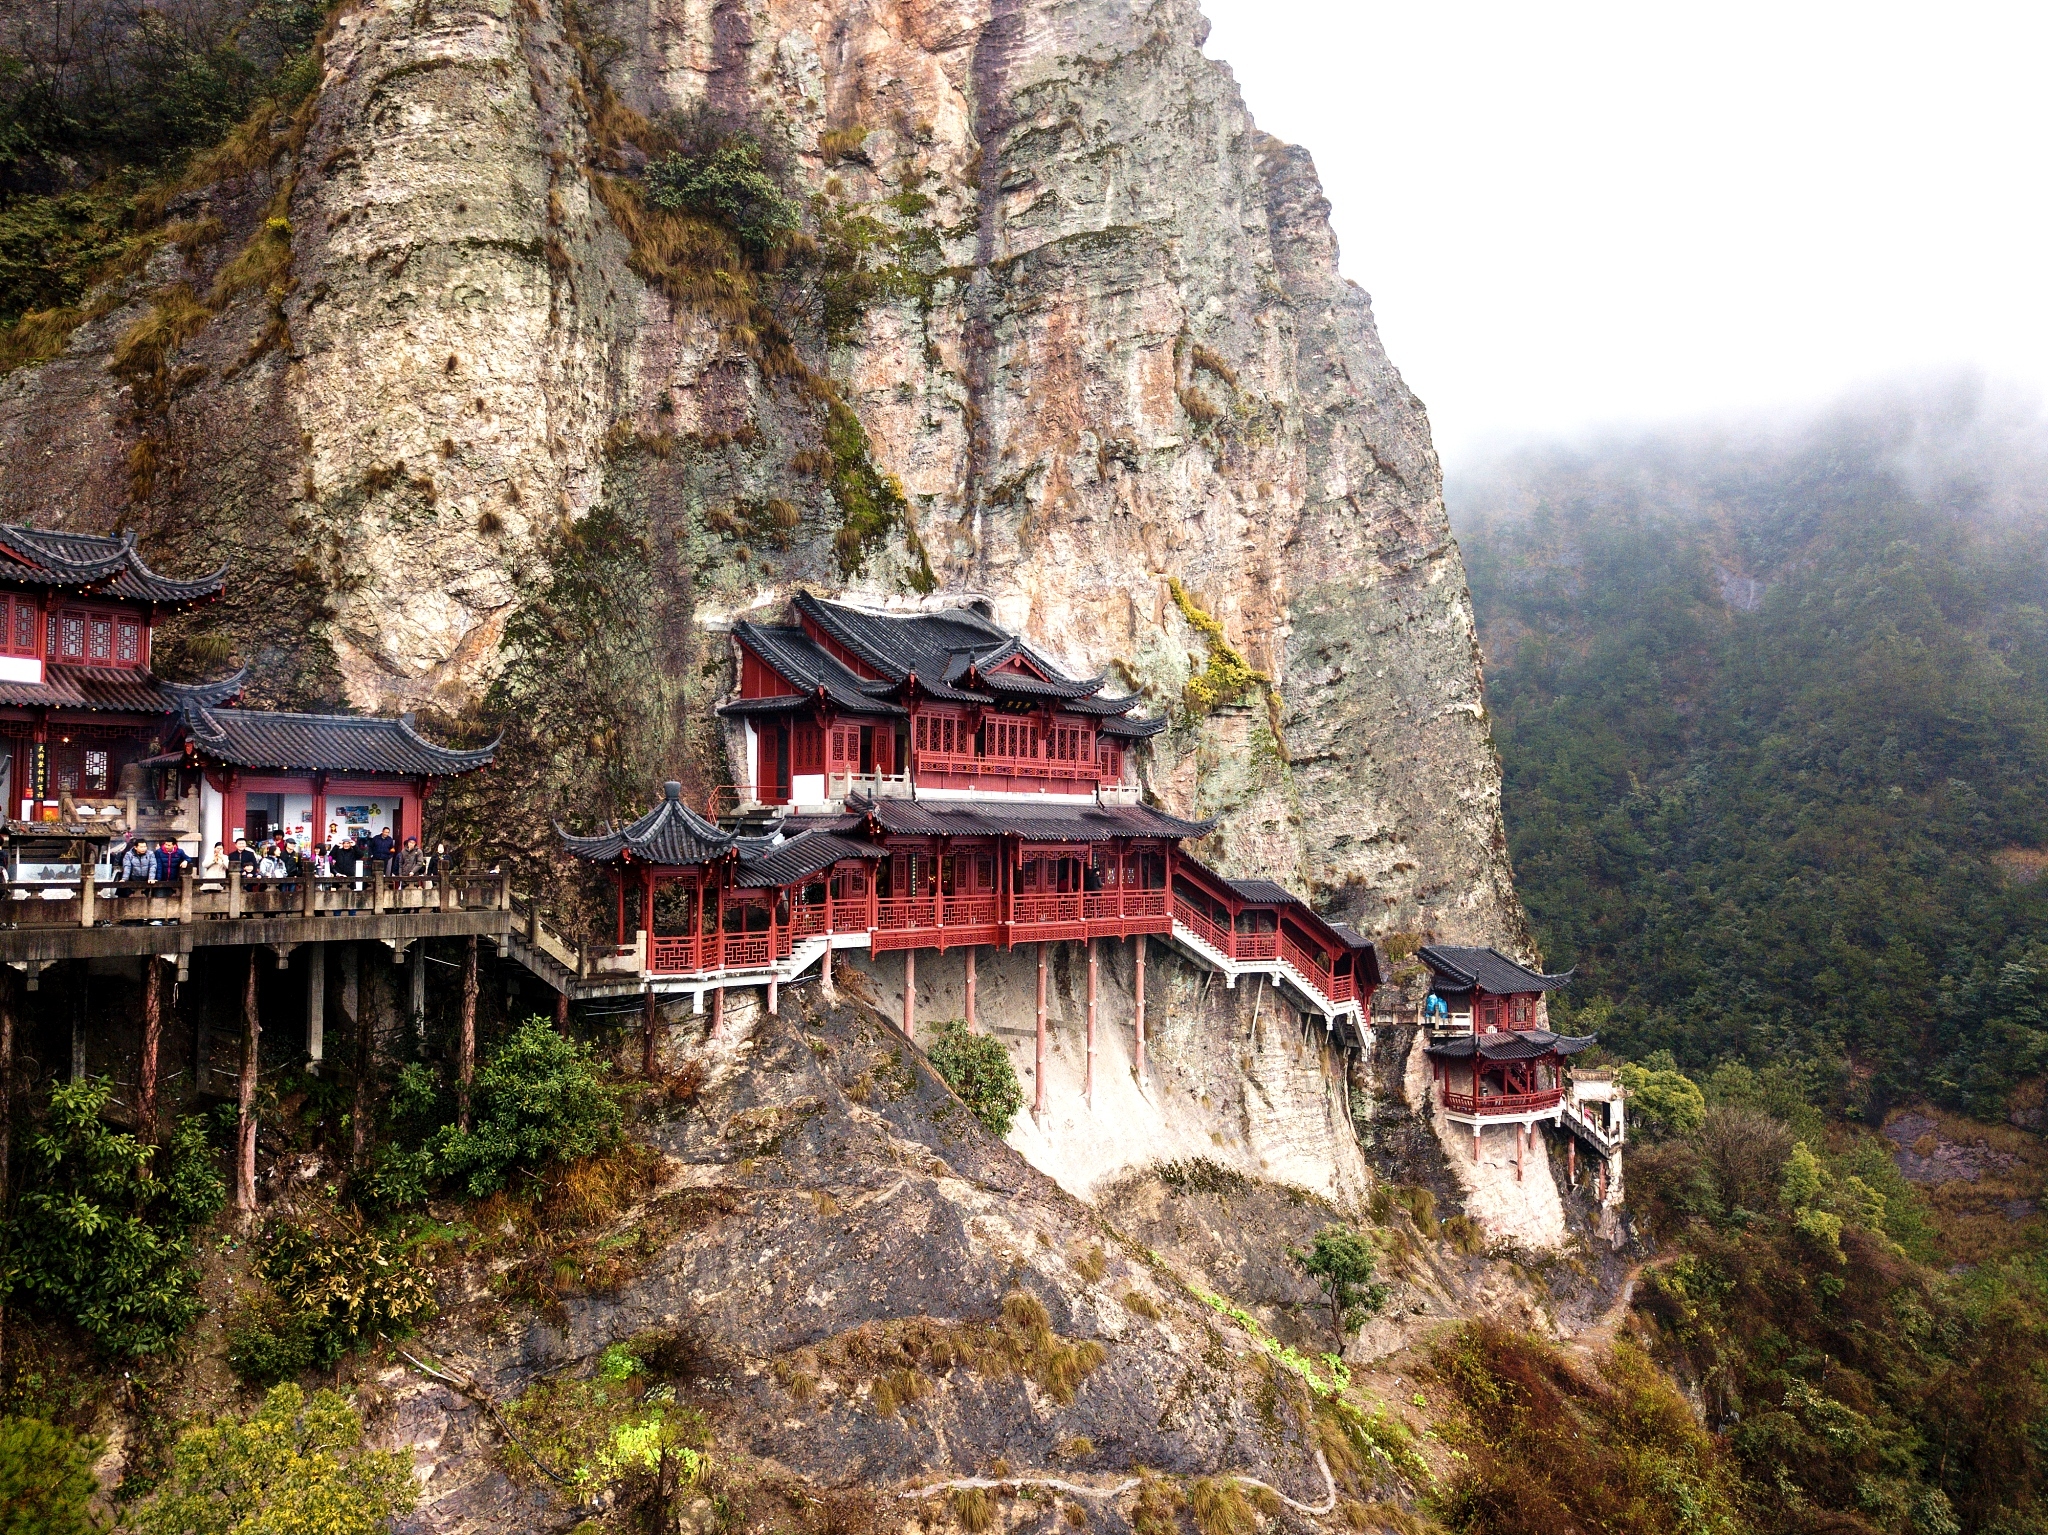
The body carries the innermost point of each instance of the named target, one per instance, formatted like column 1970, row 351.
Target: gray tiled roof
column 1510, row 1045
column 802, row 661
column 1461, row 969
column 802, row 856
column 334, row 743
column 114, row 690
column 1039, row 822
column 90, row 562
column 1265, row 892
column 671, row 833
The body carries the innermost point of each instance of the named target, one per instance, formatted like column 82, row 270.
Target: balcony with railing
column 1481, row 1105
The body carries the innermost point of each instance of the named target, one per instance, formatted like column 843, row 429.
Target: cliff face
column 1072, row 330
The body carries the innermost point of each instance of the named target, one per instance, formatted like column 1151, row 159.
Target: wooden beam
column 650, row 1017
column 152, row 1042
column 970, row 988
column 465, row 1046
column 245, row 1096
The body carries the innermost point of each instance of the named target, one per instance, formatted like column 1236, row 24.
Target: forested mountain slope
column 1773, row 707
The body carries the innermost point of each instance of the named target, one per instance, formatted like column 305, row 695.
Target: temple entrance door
column 867, row 749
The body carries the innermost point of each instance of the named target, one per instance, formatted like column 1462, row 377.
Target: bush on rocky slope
column 978, row 1069
column 101, row 1233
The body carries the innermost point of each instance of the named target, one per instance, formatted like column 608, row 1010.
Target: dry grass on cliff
column 897, row 1359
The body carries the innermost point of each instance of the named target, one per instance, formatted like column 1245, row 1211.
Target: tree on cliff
column 1343, row 1262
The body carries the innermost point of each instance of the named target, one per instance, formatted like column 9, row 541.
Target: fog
column 1574, row 216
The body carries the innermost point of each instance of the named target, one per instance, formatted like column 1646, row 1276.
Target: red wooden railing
column 1044, row 910
column 1506, row 1103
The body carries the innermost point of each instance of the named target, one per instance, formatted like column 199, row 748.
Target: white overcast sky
column 1588, row 215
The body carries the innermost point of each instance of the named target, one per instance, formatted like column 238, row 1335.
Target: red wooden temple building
column 1494, row 1059
column 95, row 747
column 938, row 784
column 841, row 701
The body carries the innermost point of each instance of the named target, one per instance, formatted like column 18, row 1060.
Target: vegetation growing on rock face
column 538, row 1100
column 331, row 1291
column 100, row 104
column 726, row 179
column 1344, row 1263
column 101, row 1233
column 295, row 1466
column 978, row 1068
column 46, row 1482
column 1544, row 1447
column 1226, row 677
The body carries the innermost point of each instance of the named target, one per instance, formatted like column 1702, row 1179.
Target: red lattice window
column 100, row 640
column 128, row 641
column 71, row 636
column 807, row 749
column 24, row 627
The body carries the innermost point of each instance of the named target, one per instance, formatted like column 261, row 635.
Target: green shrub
column 730, row 182
column 295, row 1466
column 1343, row 1262
column 330, row 1293
column 617, row 1426
column 540, row 1098
column 45, row 1480
column 978, row 1069
column 93, row 1239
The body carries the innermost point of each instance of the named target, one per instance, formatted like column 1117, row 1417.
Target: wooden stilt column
column 1038, row 1101
column 1091, row 1024
column 909, row 993
column 152, row 1042
column 774, row 998
column 650, row 1017
column 1571, row 1161
column 1521, row 1147
column 355, row 985
column 562, row 1012
column 970, row 988
column 718, row 1012
column 316, row 1005
column 1138, row 1010
column 1603, row 1180
column 465, row 1050
column 245, row 1095
column 6, row 1076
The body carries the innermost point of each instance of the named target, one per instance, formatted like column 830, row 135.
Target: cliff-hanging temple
column 913, row 782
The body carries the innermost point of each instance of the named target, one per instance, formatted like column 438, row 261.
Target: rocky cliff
column 485, row 433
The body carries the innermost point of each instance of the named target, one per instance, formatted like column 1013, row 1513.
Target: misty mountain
column 1773, row 709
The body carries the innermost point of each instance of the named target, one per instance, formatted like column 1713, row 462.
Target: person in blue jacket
column 1433, row 1009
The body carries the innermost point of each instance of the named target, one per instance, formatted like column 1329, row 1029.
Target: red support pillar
column 910, row 993
column 1038, row 1104
column 1091, row 1023
column 561, row 1012
column 1138, row 1012
column 970, row 988
column 1571, row 1160
column 718, row 1012
column 1521, row 1149
column 649, row 1016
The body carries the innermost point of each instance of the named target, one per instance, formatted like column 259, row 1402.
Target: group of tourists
column 278, row 858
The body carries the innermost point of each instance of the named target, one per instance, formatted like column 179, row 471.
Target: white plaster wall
column 1230, row 1076
column 1526, row 1210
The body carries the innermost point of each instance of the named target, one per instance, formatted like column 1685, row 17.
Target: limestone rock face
column 1098, row 339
